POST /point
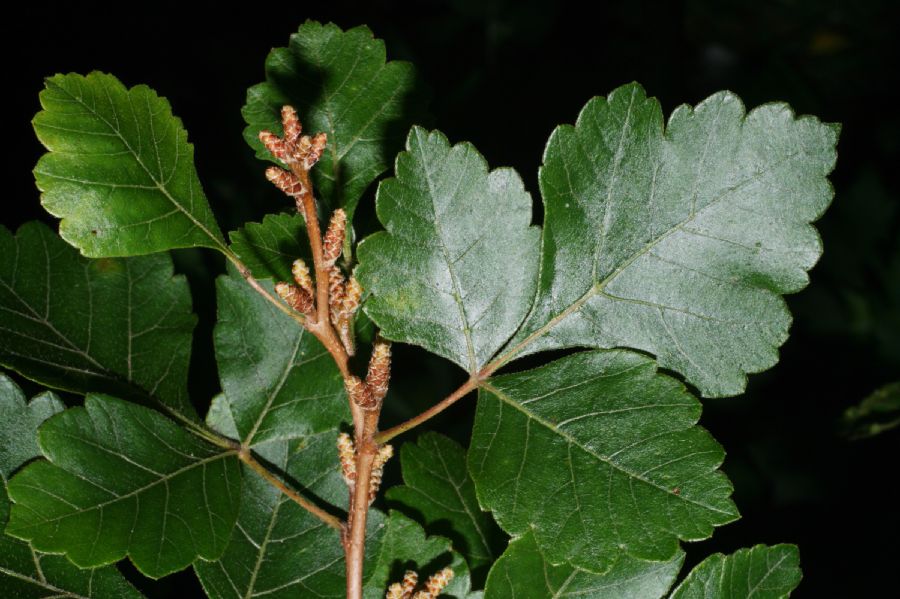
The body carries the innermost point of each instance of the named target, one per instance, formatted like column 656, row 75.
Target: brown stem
column 247, row 457
column 462, row 391
column 355, row 533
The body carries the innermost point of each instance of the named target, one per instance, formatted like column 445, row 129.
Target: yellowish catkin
column 347, row 455
column 334, row 237
column 379, row 374
column 301, row 275
column 384, row 454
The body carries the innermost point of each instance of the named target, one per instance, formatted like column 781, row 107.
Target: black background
column 502, row 74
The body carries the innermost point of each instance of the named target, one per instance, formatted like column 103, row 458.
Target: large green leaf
column 124, row 480
column 439, row 491
column 121, row 326
column 279, row 380
column 281, row 550
column 524, row 572
column 455, row 270
column 758, row 573
column 120, row 171
column 25, row 573
column 340, row 84
column 597, row 453
column 680, row 240
column 269, row 248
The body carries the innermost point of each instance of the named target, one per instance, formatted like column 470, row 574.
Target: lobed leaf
column 340, row 84
column 679, row 241
column 758, row 573
column 598, row 453
column 441, row 495
column 24, row 572
column 524, row 572
column 281, row 550
column 269, row 248
column 121, row 479
column 279, row 380
column 455, row 270
column 120, row 326
column 119, row 171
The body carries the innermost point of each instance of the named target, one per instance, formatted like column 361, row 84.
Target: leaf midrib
column 573, row 441
column 159, row 185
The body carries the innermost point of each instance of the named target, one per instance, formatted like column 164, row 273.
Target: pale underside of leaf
column 524, row 572
column 455, row 270
column 120, row 170
column 123, row 480
column 679, row 242
column 598, row 453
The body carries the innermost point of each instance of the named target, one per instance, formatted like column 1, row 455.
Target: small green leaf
column 455, row 270
column 120, row 171
column 758, row 573
column 124, row 480
column 878, row 412
column 524, row 572
column 25, row 573
column 597, row 453
column 679, row 240
column 120, row 326
column 269, row 248
column 440, row 492
column 279, row 380
column 340, row 84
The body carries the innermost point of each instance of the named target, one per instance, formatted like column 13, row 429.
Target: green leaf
column 279, row 380
column 878, row 412
column 679, row 241
column 441, row 495
column 524, row 572
column 269, row 248
column 119, row 170
column 597, row 453
column 758, row 573
column 24, row 572
column 280, row 550
column 124, row 480
column 340, row 84
column 455, row 270
column 120, row 326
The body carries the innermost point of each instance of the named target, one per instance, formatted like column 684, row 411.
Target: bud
column 379, row 374
column 334, row 237
column 298, row 299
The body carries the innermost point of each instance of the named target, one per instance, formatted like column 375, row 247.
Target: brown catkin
column 334, row 237
column 291, row 124
column 359, row 392
column 298, row 299
column 276, row 146
column 379, row 373
column 347, row 455
column 384, row 454
column 335, row 294
column 301, row 275
column 286, row 181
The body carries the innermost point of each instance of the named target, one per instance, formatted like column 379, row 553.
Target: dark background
column 502, row 74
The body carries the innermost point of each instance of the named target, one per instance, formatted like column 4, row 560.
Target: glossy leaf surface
column 119, row 171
